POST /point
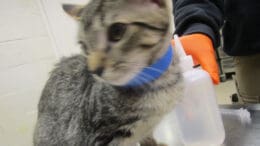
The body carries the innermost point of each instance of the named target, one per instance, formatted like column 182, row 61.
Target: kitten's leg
column 122, row 142
column 150, row 141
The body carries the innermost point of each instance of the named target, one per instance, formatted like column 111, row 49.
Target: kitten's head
column 121, row 37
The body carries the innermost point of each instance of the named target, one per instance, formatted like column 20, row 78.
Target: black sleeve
column 199, row 16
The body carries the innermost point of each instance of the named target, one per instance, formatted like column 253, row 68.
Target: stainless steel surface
column 238, row 133
column 255, row 107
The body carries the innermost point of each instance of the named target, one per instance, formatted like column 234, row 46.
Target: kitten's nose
column 99, row 71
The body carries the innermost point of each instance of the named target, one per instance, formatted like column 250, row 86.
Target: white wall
column 34, row 34
column 26, row 57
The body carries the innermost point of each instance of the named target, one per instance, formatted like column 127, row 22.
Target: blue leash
column 154, row 71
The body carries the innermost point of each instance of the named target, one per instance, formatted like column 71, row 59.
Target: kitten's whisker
column 140, row 82
column 141, row 67
column 145, row 75
column 154, row 69
column 146, row 78
column 134, row 63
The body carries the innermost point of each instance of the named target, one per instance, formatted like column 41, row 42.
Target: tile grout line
column 21, row 39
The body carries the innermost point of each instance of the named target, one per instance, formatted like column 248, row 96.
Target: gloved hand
column 200, row 47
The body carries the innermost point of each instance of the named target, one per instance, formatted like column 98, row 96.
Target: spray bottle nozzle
column 186, row 62
column 179, row 46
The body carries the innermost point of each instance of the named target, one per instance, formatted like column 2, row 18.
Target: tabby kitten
column 85, row 101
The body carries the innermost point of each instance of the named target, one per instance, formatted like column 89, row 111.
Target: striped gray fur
column 81, row 108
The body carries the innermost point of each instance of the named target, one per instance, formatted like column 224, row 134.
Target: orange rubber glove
column 200, row 47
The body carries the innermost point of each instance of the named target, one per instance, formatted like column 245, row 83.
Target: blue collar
column 154, row 71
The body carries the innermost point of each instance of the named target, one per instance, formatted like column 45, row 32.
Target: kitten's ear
column 160, row 3
column 73, row 10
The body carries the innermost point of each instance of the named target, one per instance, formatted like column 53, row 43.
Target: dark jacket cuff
column 204, row 29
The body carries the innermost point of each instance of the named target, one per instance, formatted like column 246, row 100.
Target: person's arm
column 198, row 23
column 199, row 16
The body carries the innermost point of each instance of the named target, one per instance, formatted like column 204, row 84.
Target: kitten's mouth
column 99, row 78
column 99, row 71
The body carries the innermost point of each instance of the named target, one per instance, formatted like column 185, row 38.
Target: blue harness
column 154, row 71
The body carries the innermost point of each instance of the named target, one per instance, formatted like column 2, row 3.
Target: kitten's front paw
column 149, row 141
column 161, row 144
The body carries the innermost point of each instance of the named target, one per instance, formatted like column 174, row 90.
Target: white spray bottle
column 198, row 116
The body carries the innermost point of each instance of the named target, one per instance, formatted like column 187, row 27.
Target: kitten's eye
column 116, row 32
